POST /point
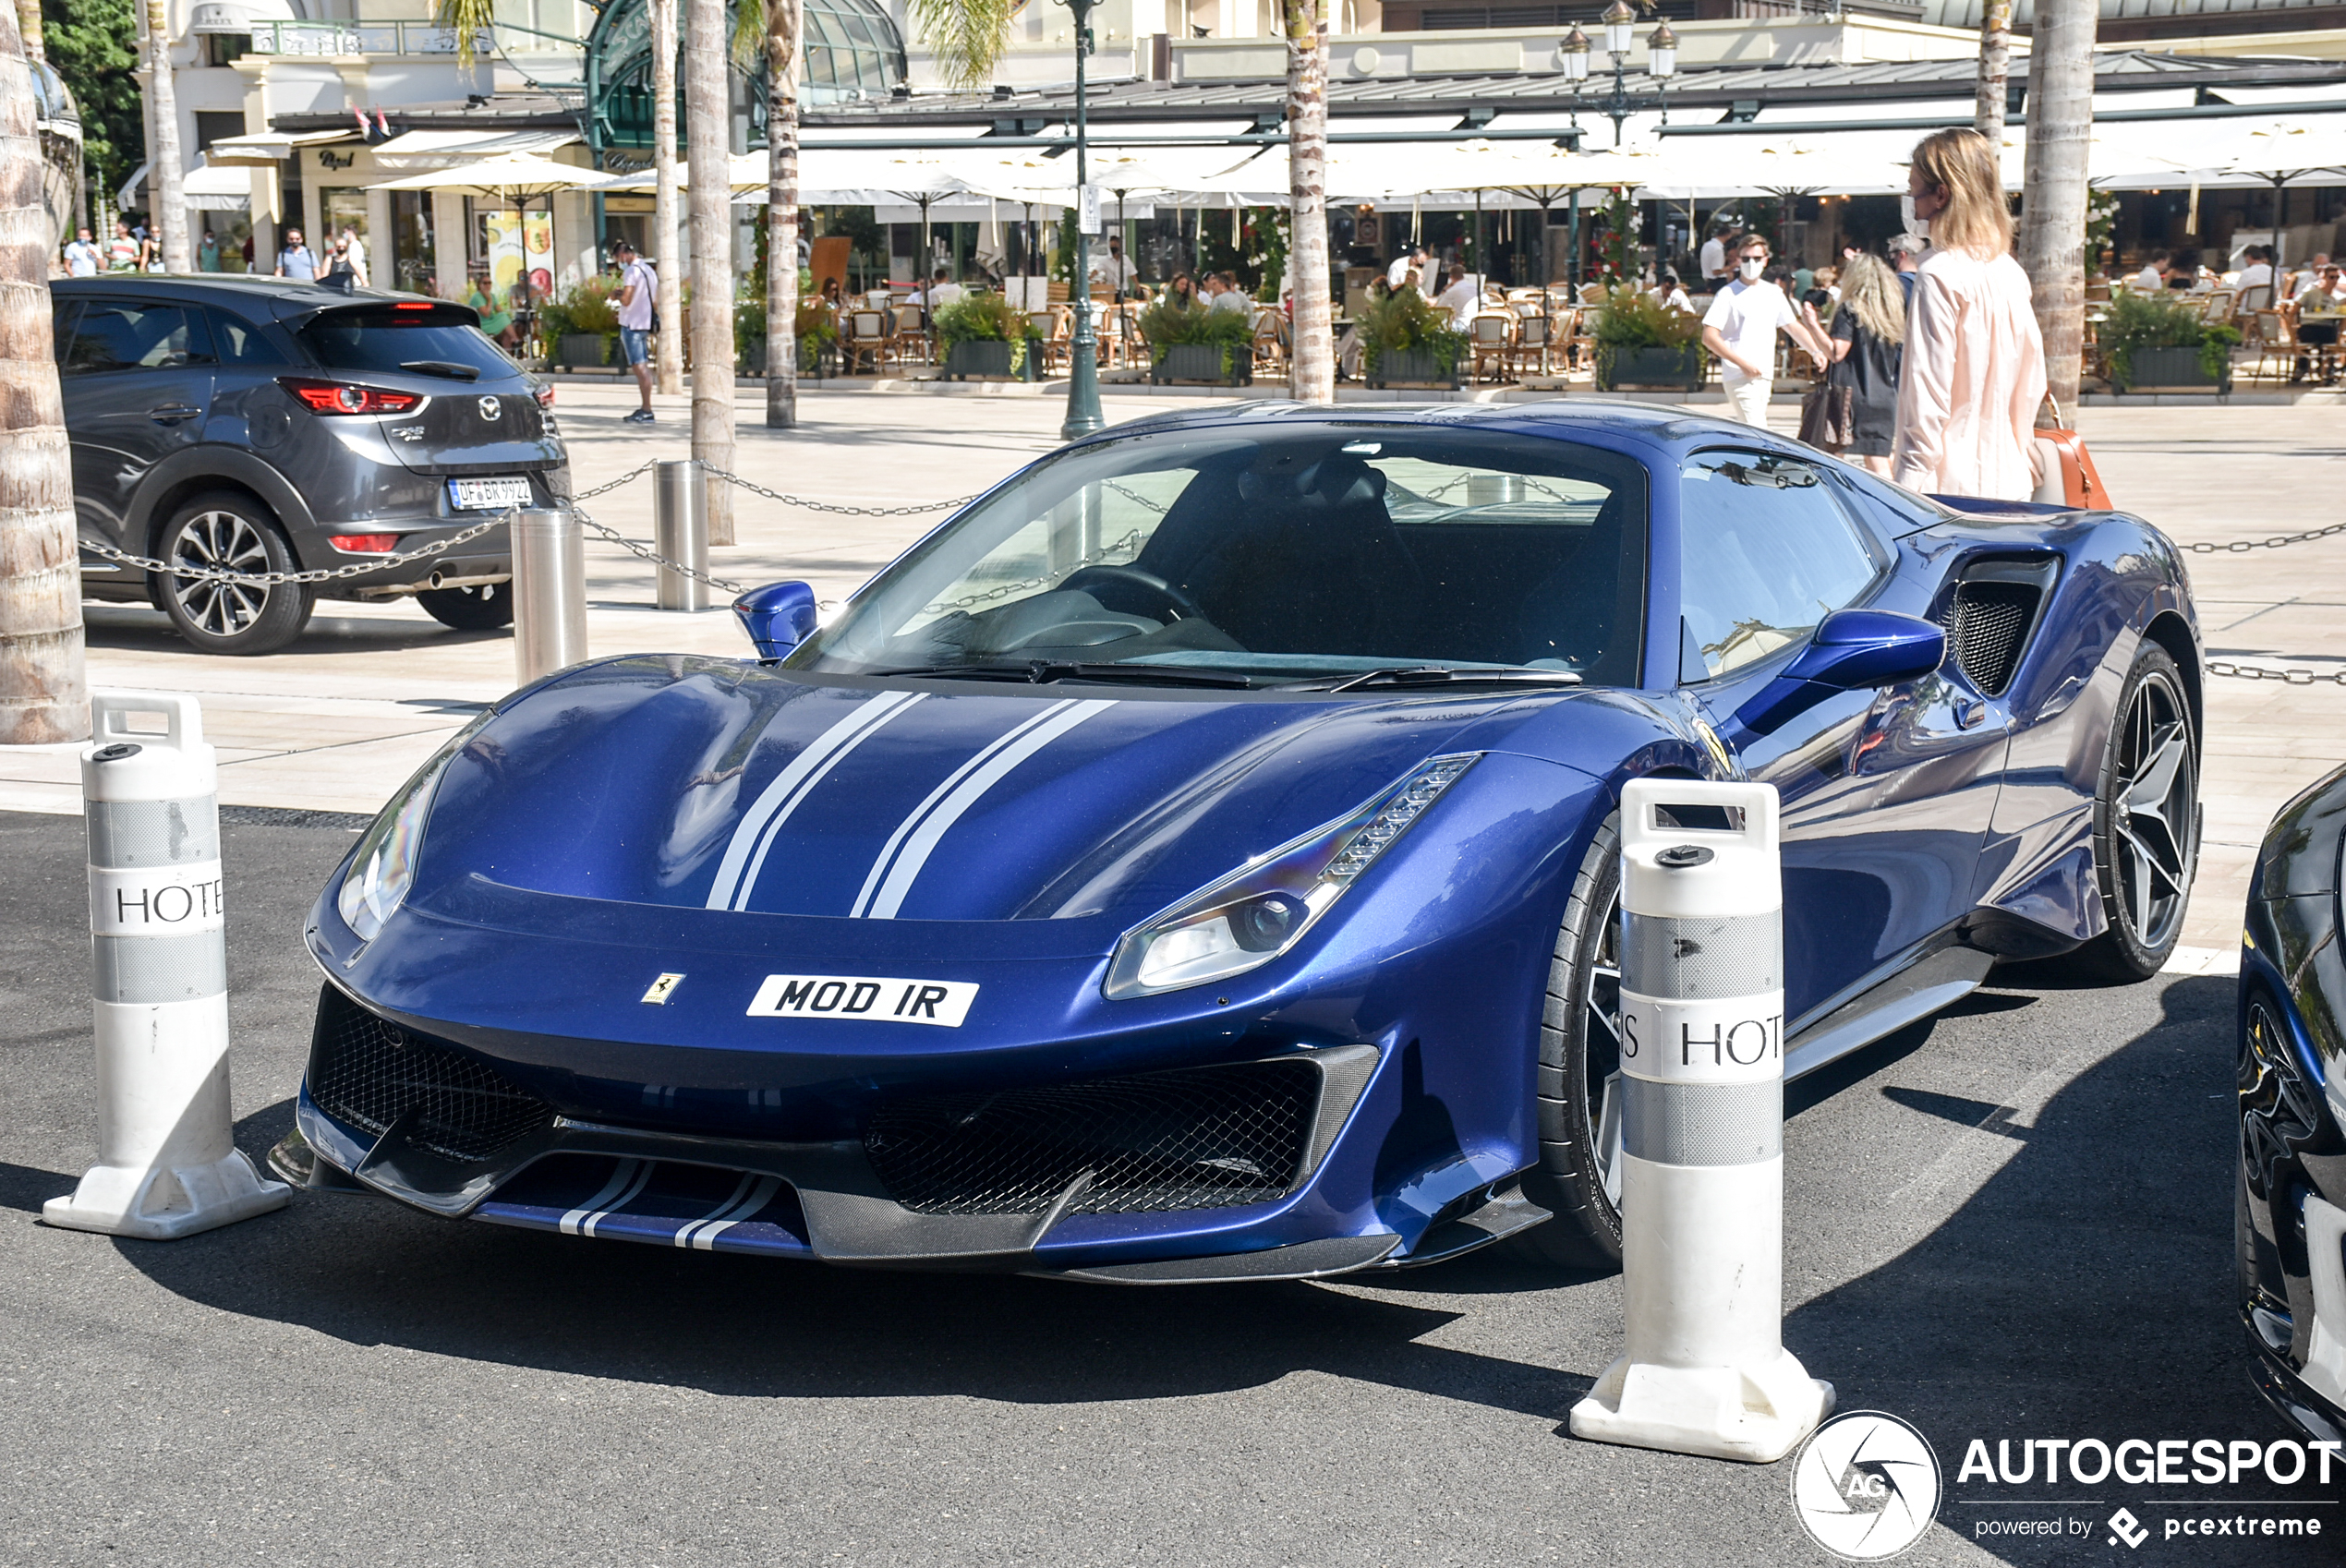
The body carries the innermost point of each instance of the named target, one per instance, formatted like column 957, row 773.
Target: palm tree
column 2054, row 197
column 166, row 184
column 1312, row 365
column 771, row 27
column 43, row 698
column 1995, row 68
column 668, row 299
column 968, row 36
column 707, row 82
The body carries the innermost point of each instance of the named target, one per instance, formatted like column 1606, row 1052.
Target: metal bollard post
column 167, row 1164
column 1702, row 1132
column 680, row 532
column 549, row 593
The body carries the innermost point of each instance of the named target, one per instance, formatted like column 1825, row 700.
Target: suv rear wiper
column 1438, row 675
column 448, row 367
column 1042, row 671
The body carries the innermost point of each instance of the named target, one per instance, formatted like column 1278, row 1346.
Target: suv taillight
column 341, row 397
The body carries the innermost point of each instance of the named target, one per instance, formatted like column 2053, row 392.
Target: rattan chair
column 868, row 336
column 1491, row 334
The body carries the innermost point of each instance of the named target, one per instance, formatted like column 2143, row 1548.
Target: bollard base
column 1756, row 1414
column 164, row 1202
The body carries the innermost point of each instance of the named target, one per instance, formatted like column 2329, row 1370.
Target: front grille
column 1991, row 621
column 370, row 1073
column 1196, row 1137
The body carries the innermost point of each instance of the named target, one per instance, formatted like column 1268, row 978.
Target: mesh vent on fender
column 1194, row 1137
column 1996, row 607
column 369, row 1072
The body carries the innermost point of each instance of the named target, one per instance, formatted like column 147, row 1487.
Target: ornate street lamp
column 1573, row 55
column 1082, row 371
column 1620, row 36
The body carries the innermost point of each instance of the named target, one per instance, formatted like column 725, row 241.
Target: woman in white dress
column 1974, row 369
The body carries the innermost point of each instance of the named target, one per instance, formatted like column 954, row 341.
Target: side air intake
column 1996, row 607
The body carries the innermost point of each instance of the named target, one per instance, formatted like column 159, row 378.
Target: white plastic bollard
column 167, row 1163
column 1702, row 1132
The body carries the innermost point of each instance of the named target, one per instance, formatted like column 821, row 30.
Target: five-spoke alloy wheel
column 2145, row 822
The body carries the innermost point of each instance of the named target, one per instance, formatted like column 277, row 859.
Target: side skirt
column 1915, row 991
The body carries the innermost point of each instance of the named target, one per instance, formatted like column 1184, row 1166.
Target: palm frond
column 470, row 21
column 970, row 36
column 749, row 31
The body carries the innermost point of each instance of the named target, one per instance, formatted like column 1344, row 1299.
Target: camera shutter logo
column 1867, row 1486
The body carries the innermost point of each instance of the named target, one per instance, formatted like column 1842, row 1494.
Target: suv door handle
column 172, row 412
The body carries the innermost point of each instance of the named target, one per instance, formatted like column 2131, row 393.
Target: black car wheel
column 224, row 532
column 2146, row 824
column 1578, row 1174
column 481, row 608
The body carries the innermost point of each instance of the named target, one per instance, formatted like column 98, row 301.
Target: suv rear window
column 386, row 337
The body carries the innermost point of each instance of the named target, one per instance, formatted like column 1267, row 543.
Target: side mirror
column 778, row 617
column 1851, row 650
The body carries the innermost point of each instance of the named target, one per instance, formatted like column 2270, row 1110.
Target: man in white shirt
column 1714, row 257
column 1461, row 299
column 1399, row 274
column 1113, row 268
column 82, row 256
column 1227, row 295
column 2258, row 270
column 638, row 286
column 942, row 290
column 1740, row 331
column 2153, row 277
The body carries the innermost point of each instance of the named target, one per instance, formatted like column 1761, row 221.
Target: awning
column 237, row 16
column 218, row 189
column 510, row 179
column 446, row 149
column 264, row 149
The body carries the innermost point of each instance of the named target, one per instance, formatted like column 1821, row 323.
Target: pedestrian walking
column 1856, row 414
column 294, row 261
column 638, row 286
column 124, row 253
column 82, row 256
column 1740, row 331
column 1973, row 373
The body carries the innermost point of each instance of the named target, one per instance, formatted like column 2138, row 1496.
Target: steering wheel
column 1162, row 594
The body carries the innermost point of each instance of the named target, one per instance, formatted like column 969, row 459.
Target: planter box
column 989, row 360
column 2171, row 369
column 1412, row 368
column 587, row 349
column 1200, row 363
column 1651, row 368
column 752, row 358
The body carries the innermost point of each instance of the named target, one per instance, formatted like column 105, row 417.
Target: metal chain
column 2242, row 547
column 1028, row 585
column 756, row 488
column 635, row 473
column 2287, row 677
column 316, row 574
column 644, row 552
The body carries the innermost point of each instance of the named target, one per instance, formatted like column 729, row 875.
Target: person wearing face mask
column 1973, row 372
column 1740, row 331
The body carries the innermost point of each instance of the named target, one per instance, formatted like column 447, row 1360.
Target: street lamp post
column 1082, row 371
column 1662, row 64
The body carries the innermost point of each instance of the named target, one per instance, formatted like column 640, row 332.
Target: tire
column 2146, row 826
column 1579, row 1175
column 227, row 530
column 482, row 608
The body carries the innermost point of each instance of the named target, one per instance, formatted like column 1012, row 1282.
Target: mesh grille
column 370, row 1073
column 1201, row 1138
column 1991, row 620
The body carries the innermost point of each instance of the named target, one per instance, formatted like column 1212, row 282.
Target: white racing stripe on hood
column 909, row 846
column 737, row 872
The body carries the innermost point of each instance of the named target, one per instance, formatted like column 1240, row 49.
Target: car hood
column 705, row 784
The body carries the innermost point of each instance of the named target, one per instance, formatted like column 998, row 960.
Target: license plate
column 865, row 998
column 484, row 495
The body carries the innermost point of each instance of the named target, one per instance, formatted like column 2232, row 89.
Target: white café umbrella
column 518, row 176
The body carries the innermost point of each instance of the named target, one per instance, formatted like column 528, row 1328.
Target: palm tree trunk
column 668, row 297
column 1312, row 365
column 29, row 29
column 706, row 141
column 782, row 20
column 164, row 181
column 1995, row 68
column 2052, row 223
column 43, row 698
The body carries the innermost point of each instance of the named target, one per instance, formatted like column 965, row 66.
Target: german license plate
column 486, row 495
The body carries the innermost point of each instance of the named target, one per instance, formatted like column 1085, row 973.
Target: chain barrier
column 635, row 473
column 1029, row 585
column 757, row 488
column 2287, row 677
column 644, row 552
column 315, row 574
column 2242, row 547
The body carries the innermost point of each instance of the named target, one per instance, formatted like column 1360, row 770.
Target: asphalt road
column 2013, row 1223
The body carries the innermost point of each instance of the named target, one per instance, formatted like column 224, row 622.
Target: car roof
column 1606, row 423
column 289, row 297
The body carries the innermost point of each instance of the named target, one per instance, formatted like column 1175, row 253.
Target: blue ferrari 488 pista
column 1196, row 859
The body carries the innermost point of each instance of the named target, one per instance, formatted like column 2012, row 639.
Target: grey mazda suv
column 253, row 425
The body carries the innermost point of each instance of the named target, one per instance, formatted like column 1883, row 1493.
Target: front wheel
column 1578, row 1174
column 230, row 533
column 484, row 608
column 2146, row 825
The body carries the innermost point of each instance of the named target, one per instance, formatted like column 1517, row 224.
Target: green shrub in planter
column 978, row 318
column 2141, row 333
column 1643, row 343
column 1199, row 343
column 584, row 349
column 1404, row 338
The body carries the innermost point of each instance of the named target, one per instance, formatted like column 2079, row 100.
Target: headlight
column 384, row 867
column 1263, row 908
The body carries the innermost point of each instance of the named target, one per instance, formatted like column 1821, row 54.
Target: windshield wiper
column 448, row 367
column 1042, row 671
column 1436, row 675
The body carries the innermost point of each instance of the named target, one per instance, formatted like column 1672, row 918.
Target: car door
column 137, row 379
column 1887, row 795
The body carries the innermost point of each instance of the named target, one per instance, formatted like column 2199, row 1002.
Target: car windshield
column 1300, row 554
column 392, row 337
